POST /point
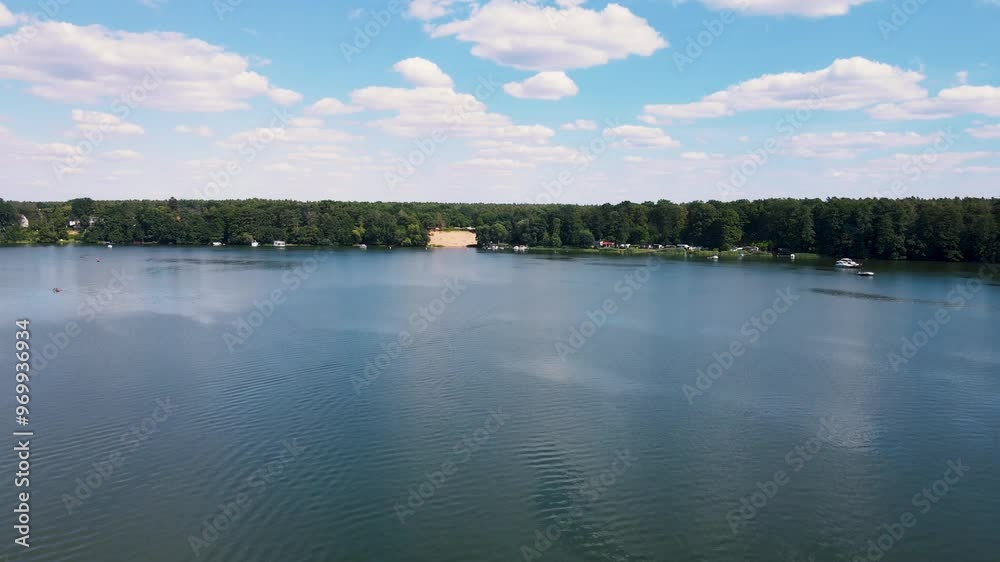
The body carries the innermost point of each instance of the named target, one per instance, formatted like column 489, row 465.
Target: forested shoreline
column 895, row 229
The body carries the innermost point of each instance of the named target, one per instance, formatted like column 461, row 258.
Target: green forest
column 895, row 229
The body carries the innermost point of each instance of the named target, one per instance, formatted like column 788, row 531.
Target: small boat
column 520, row 248
column 279, row 243
column 865, row 273
column 363, row 246
column 791, row 257
column 254, row 244
column 56, row 290
column 216, row 244
column 713, row 258
column 109, row 245
column 847, row 263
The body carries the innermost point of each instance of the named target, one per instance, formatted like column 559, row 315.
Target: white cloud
column 282, row 167
column 635, row 136
column 543, row 86
column 329, row 106
column 494, row 163
column 201, row 131
column 580, row 125
column 441, row 112
column 529, row 36
column 119, row 155
column 265, row 136
column 423, row 73
column 6, row 18
column 694, row 155
column 805, row 8
column 104, row 122
column 527, row 152
column 426, row 111
column 846, row 84
column 842, row 145
column 322, row 153
column 172, row 72
column 911, row 167
column 306, row 122
column 978, row 170
column 13, row 149
column 431, row 9
column 698, row 167
column 951, row 102
column 985, row 132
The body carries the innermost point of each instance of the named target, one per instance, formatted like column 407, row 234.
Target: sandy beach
column 452, row 238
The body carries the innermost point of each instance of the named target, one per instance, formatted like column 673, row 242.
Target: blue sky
column 566, row 101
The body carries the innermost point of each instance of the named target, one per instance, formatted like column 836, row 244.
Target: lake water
column 449, row 405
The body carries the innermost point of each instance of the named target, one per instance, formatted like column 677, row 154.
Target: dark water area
column 227, row 404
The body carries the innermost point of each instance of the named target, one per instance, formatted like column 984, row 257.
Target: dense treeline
column 921, row 229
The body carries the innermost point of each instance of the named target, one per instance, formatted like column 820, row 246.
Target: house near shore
column 24, row 221
column 75, row 223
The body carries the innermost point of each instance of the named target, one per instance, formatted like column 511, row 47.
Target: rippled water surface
column 349, row 405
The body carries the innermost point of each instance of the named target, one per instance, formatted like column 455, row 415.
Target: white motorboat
column 713, row 258
column 866, row 273
column 254, row 244
column 279, row 244
column 847, row 262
